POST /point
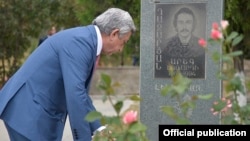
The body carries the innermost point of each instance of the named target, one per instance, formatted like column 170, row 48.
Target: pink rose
column 215, row 26
column 202, row 42
column 216, row 34
column 229, row 103
column 130, row 117
column 224, row 24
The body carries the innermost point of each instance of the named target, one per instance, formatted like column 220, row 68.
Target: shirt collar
column 99, row 41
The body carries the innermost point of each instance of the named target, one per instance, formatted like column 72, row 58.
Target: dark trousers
column 14, row 135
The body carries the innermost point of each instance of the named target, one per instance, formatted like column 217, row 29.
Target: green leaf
column 92, row 116
column 166, row 90
column 216, row 56
column 106, row 80
column 182, row 121
column 232, row 36
column 226, row 58
column 169, row 111
column 237, row 40
column 137, row 127
column 218, row 107
column 214, row 42
column 235, row 53
column 181, row 89
column 185, row 106
column 181, row 83
column 118, row 106
column 229, row 120
column 115, row 120
column 236, row 84
column 110, row 91
column 132, row 137
column 205, row 96
column 135, row 98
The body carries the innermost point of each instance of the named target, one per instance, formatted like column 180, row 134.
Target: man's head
column 184, row 22
column 116, row 26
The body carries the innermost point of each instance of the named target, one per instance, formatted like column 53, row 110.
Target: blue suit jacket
column 53, row 82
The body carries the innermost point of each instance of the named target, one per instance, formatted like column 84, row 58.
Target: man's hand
column 103, row 134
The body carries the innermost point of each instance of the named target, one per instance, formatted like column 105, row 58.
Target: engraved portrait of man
column 182, row 50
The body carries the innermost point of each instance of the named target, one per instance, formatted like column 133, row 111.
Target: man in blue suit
column 54, row 81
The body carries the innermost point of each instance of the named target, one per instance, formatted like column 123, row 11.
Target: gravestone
column 159, row 46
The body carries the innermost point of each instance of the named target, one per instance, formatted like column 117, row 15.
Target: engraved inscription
column 158, row 50
column 192, row 88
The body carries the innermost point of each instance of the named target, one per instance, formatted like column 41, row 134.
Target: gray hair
column 115, row 18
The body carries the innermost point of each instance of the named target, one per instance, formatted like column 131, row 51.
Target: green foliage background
column 24, row 21
column 237, row 13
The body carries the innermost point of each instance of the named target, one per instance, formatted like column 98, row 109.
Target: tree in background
column 236, row 12
column 23, row 20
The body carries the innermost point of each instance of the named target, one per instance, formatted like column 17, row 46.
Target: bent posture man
column 54, row 81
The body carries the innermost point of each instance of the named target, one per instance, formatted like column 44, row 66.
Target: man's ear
column 114, row 33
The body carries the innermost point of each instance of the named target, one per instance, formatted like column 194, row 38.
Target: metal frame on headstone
column 157, row 28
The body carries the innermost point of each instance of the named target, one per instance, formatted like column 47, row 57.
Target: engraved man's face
column 184, row 25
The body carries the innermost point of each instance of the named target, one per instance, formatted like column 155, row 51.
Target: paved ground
column 104, row 108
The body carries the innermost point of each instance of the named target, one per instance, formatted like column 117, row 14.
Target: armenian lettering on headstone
column 178, row 29
column 170, row 30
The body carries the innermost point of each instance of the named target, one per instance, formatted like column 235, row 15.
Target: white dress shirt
column 99, row 49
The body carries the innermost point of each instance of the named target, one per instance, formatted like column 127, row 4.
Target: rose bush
column 233, row 106
column 124, row 125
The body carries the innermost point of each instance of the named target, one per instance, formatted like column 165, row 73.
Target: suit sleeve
column 77, row 60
